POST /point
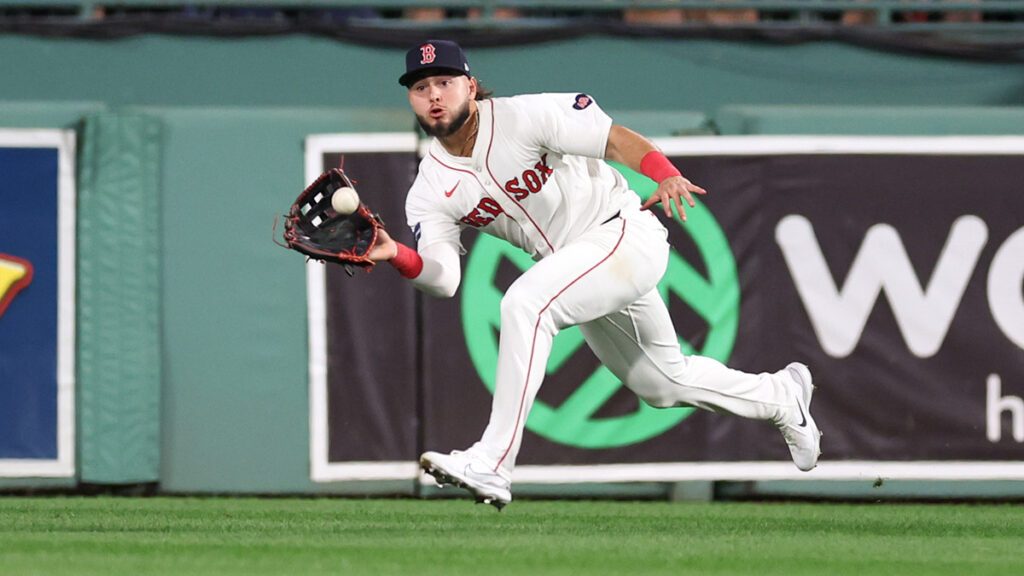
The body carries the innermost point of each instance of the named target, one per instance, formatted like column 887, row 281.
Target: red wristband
column 657, row 167
column 407, row 261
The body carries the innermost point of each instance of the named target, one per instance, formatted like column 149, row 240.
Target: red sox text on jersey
column 529, row 182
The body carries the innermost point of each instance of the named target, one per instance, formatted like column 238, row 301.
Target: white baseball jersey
column 535, row 178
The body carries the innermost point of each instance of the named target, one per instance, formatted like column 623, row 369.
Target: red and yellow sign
column 15, row 275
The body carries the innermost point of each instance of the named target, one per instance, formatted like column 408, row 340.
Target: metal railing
column 906, row 14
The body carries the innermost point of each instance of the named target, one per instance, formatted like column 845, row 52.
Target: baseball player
column 530, row 170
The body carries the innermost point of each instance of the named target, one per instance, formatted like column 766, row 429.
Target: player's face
column 441, row 103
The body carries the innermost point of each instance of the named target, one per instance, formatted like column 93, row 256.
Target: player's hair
column 481, row 92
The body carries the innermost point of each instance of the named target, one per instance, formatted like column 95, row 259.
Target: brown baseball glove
column 315, row 229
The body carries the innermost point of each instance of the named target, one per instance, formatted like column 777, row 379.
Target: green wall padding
column 119, row 298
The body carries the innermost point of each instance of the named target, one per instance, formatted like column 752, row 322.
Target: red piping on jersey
column 470, row 172
column 487, row 163
column 533, row 344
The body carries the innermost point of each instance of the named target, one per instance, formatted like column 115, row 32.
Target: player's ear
column 473, row 87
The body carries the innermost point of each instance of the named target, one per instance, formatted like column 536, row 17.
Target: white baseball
column 345, row 200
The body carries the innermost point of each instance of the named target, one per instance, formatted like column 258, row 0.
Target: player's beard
column 441, row 130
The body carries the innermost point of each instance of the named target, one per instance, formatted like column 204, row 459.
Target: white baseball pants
column 605, row 282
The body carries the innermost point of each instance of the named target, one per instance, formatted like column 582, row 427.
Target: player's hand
column 674, row 190
column 385, row 248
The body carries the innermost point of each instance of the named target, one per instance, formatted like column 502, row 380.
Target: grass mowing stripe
column 252, row 536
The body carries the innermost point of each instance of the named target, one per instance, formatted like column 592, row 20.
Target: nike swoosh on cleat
column 473, row 470
column 803, row 417
column 449, row 193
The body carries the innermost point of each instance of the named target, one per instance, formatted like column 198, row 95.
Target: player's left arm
column 641, row 155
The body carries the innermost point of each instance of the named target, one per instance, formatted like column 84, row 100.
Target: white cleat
column 464, row 470
column 799, row 430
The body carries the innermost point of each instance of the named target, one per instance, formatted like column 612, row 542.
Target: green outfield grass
column 250, row 536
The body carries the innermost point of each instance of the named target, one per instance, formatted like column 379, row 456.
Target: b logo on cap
column 427, row 51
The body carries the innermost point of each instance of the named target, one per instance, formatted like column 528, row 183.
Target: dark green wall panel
column 624, row 74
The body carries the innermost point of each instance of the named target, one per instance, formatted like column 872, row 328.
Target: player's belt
column 614, row 216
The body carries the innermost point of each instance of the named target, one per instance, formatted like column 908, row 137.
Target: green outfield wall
column 209, row 377
column 624, row 74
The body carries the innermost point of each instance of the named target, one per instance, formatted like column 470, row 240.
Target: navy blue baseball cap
column 436, row 56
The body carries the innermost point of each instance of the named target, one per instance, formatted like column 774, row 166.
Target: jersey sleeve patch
column 582, row 101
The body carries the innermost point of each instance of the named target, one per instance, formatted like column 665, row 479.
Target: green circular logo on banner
column 715, row 298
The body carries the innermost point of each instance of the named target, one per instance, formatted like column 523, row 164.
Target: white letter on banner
column 923, row 316
column 1005, row 278
column 995, row 405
